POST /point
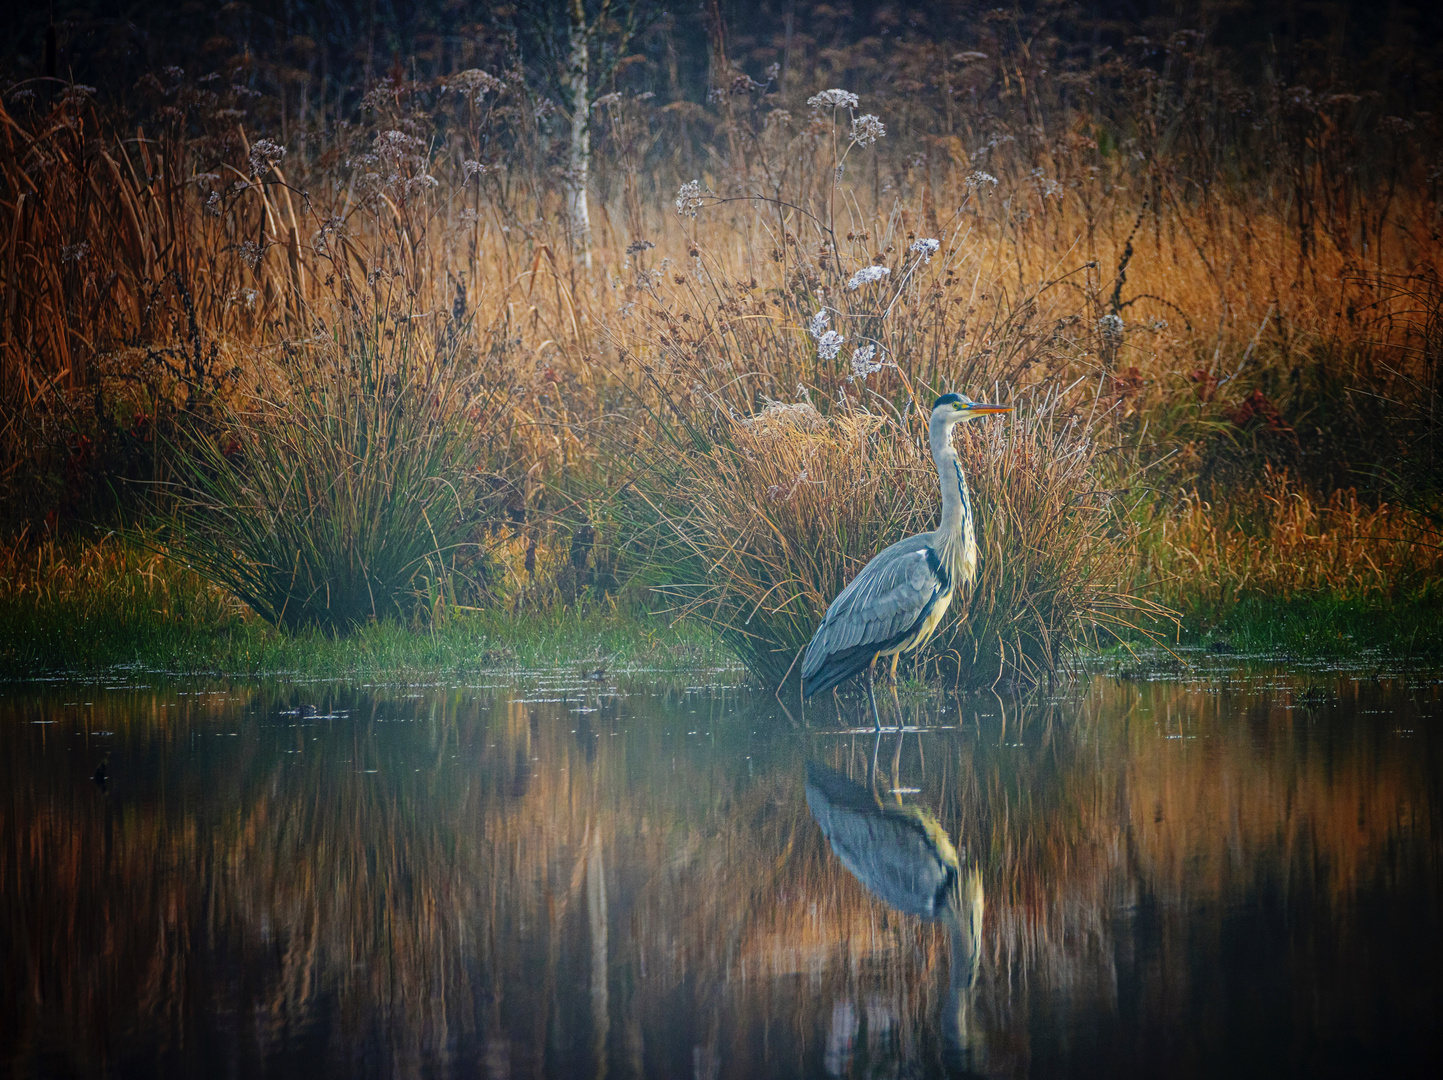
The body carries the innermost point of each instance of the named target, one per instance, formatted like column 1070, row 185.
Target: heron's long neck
column 956, row 533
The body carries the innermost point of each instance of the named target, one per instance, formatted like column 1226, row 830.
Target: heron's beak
column 984, row 410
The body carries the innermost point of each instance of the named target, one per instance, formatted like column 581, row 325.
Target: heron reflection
column 902, row 855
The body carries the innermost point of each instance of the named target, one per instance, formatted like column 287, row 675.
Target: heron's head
column 957, row 408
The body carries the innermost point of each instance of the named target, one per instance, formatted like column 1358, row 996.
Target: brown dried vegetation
column 1194, row 290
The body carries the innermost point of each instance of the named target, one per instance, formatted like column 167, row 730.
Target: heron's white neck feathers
column 957, row 531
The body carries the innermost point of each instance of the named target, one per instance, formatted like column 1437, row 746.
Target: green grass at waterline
column 36, row 642
column 1325, row 626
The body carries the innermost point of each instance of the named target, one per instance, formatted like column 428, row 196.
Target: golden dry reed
column 724, row 382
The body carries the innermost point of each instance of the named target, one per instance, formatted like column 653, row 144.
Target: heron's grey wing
column 880, row 606
column 886, row 850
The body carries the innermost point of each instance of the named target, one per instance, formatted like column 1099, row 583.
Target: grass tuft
column 784, row 509
column 350, row 493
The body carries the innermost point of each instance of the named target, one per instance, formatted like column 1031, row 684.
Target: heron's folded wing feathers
column 882, row 602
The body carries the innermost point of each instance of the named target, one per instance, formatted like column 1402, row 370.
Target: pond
column 1229, row 872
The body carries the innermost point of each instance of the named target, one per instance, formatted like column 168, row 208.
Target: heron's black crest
column 948, row 399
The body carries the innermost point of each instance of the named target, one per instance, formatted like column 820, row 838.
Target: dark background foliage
column 334, row 48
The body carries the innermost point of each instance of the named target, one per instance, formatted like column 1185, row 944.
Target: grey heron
column 898, row 599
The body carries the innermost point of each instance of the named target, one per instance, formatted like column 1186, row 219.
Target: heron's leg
column 897, row 763
column 892, row 686
column 872, row 693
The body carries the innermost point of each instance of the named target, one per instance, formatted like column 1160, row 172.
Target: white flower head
column 867, row 129
column 829, row 345
column 832, row 99
column 688, row 199
column 1110, row 327
column 818, row 323
column 866, row 276
column 926, row 247
column 863, row 364
column 979, row 179
column 76, row 94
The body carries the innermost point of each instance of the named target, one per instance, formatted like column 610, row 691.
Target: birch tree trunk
column 579, row 166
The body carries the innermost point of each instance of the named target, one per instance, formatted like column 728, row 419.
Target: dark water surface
column 1229, row 874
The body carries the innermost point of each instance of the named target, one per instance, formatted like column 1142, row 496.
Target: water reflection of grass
column 445, row 900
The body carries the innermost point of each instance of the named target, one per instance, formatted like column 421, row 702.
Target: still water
column 1228, row 873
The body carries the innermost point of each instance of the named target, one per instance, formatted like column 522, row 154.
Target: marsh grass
column 786, row 506
column 82, row 604
column 1283, row 542
column 86, row 607
column 1218, row 297
column 351, row 492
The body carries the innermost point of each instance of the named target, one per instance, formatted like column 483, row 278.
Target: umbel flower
column 867, row 129
column 863, row 364
column 925, row 247
column 263, row 155
column 829, row 345
column 1110, row 326
column 866, row 276
column 818, row 323
column 833, row 99
column 688, row 199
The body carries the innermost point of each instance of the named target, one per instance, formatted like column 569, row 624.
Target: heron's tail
column 837, row 790
column 838, row 668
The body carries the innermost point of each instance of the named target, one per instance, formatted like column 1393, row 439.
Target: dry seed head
column 866, row 276
column 471, row 169
column 863, row 364
column 264, row 154
column 867, row 129
column 475, row 81
column 832, row 99
column 926, row 247
column 688, row 199
column 829, row 345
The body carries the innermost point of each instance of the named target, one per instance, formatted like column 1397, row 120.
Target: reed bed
column 1288, row 543
column 107, row 577
column 1179, row 302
